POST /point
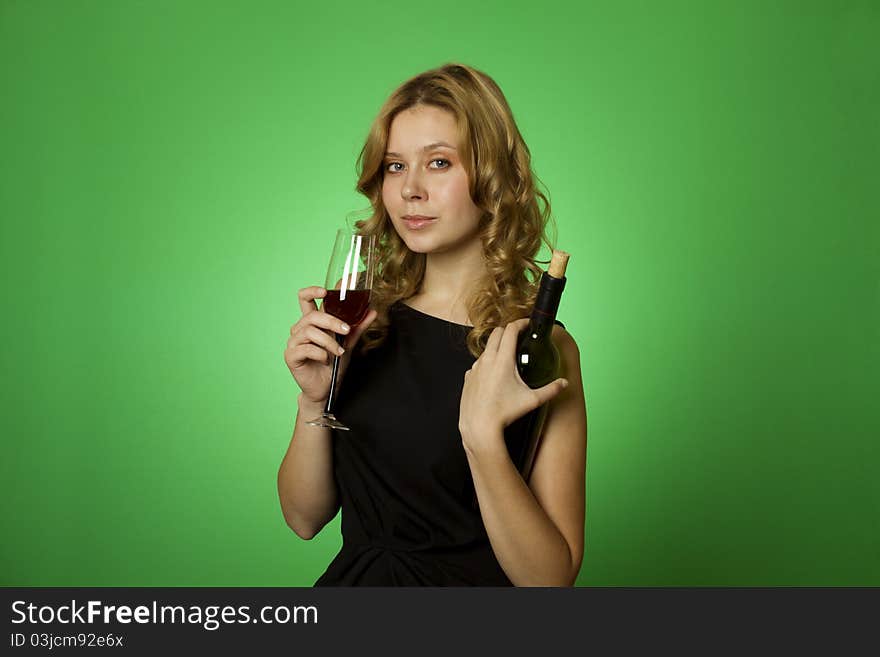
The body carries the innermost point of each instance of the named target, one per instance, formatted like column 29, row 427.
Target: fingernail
column 341, row 351
column 344, row 327
column 564, row 383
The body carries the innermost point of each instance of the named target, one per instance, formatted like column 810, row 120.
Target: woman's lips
column 417, row 222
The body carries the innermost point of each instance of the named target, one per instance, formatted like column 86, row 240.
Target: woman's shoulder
column 564, row 342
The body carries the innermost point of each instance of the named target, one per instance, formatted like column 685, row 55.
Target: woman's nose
column 413, row 188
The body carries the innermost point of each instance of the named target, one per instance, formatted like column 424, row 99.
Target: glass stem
column 340, row 339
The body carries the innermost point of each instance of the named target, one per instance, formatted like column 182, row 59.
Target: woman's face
column 425, row 186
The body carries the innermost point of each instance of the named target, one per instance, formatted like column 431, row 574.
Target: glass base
column 328, row 421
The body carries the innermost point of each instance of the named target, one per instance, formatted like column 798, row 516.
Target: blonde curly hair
column 502, row 185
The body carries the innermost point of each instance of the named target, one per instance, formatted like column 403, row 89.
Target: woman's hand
column 494, row 395
column 312, row 345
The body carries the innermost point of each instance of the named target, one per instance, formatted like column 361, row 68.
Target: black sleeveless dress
column 406, row 491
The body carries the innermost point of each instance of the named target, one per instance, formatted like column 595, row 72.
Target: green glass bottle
column 537, row 361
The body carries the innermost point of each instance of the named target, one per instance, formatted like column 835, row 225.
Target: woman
column 433, row 383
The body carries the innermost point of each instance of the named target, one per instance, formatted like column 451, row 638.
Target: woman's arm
column 306, row 483
column 536, row 530
column 306, row 487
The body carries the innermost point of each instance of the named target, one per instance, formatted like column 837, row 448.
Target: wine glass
column 348, row 283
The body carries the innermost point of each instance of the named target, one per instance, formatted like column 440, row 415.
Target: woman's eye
column 390, row 167
column 444, row 163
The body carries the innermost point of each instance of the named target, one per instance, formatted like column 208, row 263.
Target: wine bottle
column 537, row 361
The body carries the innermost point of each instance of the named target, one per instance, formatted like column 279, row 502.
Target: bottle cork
column 558, row 263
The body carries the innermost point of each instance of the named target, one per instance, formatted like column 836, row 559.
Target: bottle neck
column 546, row 305
column 540, row 326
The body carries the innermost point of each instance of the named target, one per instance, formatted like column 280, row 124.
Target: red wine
column 537, row 361
column 350, row 310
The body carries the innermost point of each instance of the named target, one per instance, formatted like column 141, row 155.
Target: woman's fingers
column 493, row 342
column 299, row 354
column 307, row 297
column 322, row 320
column 510, row 336
column 501, row 337
column 317, row 336
column 320, row 329
column 549, row 391
column 306, row 350
column 315, row 326
column 305, row 332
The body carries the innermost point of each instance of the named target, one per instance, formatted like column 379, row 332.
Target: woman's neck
column 449, row 279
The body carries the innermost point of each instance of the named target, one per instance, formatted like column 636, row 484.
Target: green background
column 171, row 173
